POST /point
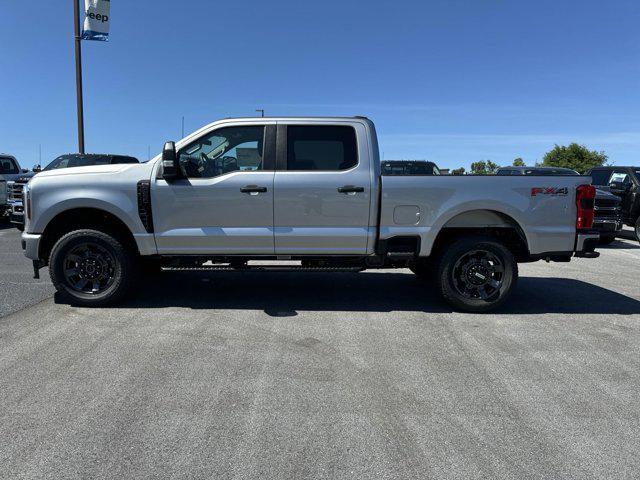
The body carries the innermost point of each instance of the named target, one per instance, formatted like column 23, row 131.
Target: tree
column 484, row 167
column 576, row 157
column 457, row 171
column 518, row 162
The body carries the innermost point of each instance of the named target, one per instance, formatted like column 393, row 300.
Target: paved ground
column 323, row 376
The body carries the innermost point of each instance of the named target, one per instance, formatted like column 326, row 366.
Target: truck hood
column 92, row 170
column 12, row 177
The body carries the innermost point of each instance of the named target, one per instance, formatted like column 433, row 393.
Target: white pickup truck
column 306, row 191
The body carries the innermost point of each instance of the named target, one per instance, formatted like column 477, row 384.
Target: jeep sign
column 96, row 21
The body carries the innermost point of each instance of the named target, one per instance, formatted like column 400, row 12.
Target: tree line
column 576, row 157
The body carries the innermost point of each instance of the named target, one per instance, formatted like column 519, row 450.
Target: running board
column 260, row 268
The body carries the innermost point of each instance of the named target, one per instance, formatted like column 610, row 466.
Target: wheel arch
column 84, row 218
column 485, row 222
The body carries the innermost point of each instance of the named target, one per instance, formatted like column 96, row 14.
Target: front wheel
column 90, row 268
column 638, row 229
column 477, row 274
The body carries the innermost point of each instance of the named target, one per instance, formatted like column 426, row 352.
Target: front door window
column 223, row 151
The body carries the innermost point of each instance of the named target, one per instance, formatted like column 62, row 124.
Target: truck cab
column 306, row 190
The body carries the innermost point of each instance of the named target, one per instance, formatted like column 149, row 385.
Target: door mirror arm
column 170, row 165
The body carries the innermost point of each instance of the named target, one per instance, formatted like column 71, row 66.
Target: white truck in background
column 10, row 170
column 309, row 190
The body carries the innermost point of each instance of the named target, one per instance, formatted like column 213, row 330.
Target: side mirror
column 37, row 168
column 25, row 170
column 619, row 186
column 170, row 167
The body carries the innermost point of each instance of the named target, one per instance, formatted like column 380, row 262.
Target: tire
column 637, row 229
column 91, row 268
column 19, row 226
column 606, row 239
column 476, row 260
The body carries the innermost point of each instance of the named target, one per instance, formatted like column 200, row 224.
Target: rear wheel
column 638, row 229
column 606, row 239
column 477, row 274
column 91, row 268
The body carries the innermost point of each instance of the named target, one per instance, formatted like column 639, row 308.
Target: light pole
column 76, row 28
column 261, row 110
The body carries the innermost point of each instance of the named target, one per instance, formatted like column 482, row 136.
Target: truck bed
column 542, row 207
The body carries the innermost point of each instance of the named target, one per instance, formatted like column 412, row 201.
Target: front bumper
column 31, row 245
column 17, row 219
column 586, row 243
column 607, row 226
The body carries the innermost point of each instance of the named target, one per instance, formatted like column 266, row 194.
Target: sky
column 451, row 81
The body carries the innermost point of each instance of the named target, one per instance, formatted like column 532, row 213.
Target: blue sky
column 450, row 81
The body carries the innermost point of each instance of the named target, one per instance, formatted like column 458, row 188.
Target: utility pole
column 76, row 28
column 261, row 110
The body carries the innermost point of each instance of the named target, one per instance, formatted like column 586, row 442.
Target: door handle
column 252, row 189
column 350, row 189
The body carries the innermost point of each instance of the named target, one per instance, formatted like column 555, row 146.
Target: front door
column 322, row 190
column 223, row 203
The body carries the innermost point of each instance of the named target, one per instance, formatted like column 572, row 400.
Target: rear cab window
column 321, row 148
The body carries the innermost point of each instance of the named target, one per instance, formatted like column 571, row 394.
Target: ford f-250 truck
column 309, row 190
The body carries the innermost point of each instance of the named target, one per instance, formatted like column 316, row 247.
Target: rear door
column 322, row 189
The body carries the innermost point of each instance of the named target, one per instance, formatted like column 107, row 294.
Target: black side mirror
column 619, row 186
column 37, row 168
column 170, row 167
column 25, row 170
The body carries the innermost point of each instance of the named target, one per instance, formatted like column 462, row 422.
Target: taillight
column 585, row 201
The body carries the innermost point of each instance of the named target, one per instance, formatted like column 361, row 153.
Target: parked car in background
column 9, row 170
column 624, row 182
column 607, row 212
column 306, row 190
column 409, row 167
column 68, row 160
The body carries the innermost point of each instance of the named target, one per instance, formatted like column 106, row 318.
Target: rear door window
column 321, row 148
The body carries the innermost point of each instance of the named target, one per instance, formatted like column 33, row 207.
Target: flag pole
column 76, row 27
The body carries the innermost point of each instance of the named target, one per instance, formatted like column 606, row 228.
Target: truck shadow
column 284, row 294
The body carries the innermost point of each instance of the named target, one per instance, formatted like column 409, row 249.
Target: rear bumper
column 586, row 243
column 31, row 245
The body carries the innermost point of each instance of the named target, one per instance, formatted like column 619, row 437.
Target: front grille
column 15, row 191
column 607, row 202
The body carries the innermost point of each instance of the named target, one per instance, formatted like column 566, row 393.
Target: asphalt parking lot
column 365, row 375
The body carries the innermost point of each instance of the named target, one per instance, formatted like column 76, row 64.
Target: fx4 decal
column 535, row 191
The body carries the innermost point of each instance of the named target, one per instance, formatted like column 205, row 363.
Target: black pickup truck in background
column 624, row 182
column 409, row 167
column 607, row 218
